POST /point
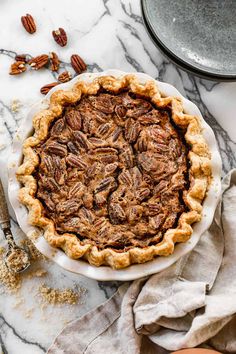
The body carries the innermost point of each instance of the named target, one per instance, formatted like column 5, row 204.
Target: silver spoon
column 17, row 258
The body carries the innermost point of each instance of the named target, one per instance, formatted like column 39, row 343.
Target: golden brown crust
column 199, row 173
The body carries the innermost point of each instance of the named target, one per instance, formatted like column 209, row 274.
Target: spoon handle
column 4, row 215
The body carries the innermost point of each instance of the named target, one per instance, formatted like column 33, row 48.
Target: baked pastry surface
column 114, row 173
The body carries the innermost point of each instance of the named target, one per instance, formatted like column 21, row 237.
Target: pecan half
column 104, row 129
column 46, row 88
column 116, row 213
column 105, row 184
column 60, row 36
column 76, row 161
column 81, row 139
column 68, row 207
column 77, row 63
column 65, row 76
column 55, row 62
column 57, row 149
column 72, row 147
column 38, row 62
column 22, row 57
column 120, row 111
column 17, row 68
column 58, row 127
column 77, row 190
column 73, row 119
column 132, row 130
column 28, row 23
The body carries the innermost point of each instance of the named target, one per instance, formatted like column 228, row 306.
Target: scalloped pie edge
column 199, row 173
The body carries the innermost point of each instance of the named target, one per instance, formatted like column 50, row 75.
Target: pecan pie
column 115, row 173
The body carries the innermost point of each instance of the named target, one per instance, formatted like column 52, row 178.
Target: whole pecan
column 46, row 88
column 39, row 61
column 77, row 63
column 17, row 68
column 22, row 57
column 65, row 76
column 28, row 23
column 60, row 36
column 55, row 62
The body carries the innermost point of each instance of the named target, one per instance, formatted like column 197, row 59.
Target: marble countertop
column 107, row 34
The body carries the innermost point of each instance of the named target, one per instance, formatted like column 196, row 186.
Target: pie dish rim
column 142, row 77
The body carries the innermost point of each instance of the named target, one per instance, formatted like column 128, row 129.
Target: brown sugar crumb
column 37, row 273
column 11, row 281
column 28, row 313
column 17, row 260
column 16, row 105
column 58, row 296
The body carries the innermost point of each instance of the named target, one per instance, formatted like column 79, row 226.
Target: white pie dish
column 104, row 272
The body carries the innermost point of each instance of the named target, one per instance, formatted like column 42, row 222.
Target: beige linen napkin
column 192, row 302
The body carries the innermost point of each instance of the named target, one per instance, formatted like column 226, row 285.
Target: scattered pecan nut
column 39, row 61
column 55, row 62
column 46, row 88
column 65, row 76
column 60, row 36
column 17, row 68
column 77, row 63
column 28, row 23
column 22, row 57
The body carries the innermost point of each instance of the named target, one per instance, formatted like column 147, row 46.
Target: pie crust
column 199, row 173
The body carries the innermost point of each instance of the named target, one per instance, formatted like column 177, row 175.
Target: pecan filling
column 112, row 171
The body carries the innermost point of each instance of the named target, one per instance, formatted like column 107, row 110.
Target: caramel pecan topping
column 46, row 88
column 60, row 36
column 55, row 62
column 17, row 68
column 38, row 62
column 113, row 171
column 65, row 76
column 78, row 64
column 28, row 23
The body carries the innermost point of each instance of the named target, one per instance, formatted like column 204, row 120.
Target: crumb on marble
column 11, row 281
column 34, row 252
column 37, row 273
column 15, row 105
column 57, row 296
column 53, row 296
column 28, row 313
column 19, row 301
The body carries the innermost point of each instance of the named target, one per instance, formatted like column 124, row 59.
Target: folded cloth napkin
column 191, row 302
